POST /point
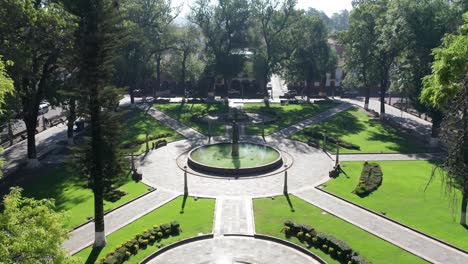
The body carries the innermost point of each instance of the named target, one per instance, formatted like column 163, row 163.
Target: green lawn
column 184, row 113
column 135, row 125
column 284, row 115
column 197, row 218
column 70, row 194
column 402, row 196
column 356, row 127
column 271, row 214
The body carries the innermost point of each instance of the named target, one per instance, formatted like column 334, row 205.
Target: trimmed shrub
column 329, row 244
column 141, row 241
column 370, row 180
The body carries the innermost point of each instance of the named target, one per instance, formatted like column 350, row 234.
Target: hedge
column 141, row 241
column 329, row 244
column 370, row 180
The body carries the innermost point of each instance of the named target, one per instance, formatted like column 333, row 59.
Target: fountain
column 235, row 157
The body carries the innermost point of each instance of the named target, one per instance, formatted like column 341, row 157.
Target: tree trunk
column 184, row 61
column 31, row 124
column 463, row 208
column 158, row 74
column 96, row 171
column 71, row 121
column 367, row 97
column 383, row 89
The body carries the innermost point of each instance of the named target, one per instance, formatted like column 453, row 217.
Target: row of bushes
column 141, row 241
column 318, row 136
column 329, row 244
column 370, row 180
column 138, row 142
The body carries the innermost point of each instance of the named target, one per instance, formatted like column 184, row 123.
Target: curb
column 394, row 221
column 174, row 245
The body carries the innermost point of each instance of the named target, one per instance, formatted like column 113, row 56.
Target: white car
column 269, row 86
column 43, row 108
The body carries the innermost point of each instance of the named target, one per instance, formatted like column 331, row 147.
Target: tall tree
column 6, row 83
column 360, row 44
column 97, row 40
column 31, row 231
column 427, row 22
column 225, row 29
column 34, row 36
column 274, row 18
column 312, row 57
column 447, row 89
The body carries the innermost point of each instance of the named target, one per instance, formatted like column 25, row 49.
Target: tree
column 360, row 45
column 339, row 21
column 273, row 19
column 31, row 231
column 447, row 89
column 225, row 29
column 313, row 57
column 427, row 22
column 34, row 36
column 6, row 83
column 97, row 41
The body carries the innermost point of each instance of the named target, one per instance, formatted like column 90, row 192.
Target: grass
column 136, row 124
column 70, row 194
column 404, row 183
column 197, row 218
column 184, row 113
column 284, row 115
column 356, row 127
column 271, row 214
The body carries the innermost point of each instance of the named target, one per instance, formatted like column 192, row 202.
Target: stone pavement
column 234, row 215
column 172, row 123
column 233, row 195
column 233, row 250
column 289, row 131
column 84, row 236
column 405, row 238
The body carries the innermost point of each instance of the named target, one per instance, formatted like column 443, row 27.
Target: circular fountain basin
column 217, row 158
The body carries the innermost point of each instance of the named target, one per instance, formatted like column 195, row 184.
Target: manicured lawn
column 135, row 125
column 402, row 196
column 184, row 114
column 71, row 195
column 197, row 218
column 284, row 115
column 356, row 127
column 271, row 214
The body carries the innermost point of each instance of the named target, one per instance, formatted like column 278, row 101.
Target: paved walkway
column 182, row 129
column 234, row 216
column 289, row 131
column 413, row 242
column 84, row 236
column 233, row 250
column 406, row 120
column 233, row 206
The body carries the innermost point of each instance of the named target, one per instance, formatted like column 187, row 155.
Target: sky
column 327, row 6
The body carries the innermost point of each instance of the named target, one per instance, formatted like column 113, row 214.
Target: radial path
column 233, row 195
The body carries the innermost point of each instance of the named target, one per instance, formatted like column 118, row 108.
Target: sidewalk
column 84, row 236
column 405, row 238
column 407, row 120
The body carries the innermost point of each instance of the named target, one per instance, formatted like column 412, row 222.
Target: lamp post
column 185, row 182
column 285, row 188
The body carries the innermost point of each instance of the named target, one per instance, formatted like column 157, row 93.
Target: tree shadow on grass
column 402, row 142
column 93, row 255
column 184, row 201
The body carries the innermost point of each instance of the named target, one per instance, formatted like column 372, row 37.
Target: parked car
column 269, row 86
column 43, row 107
